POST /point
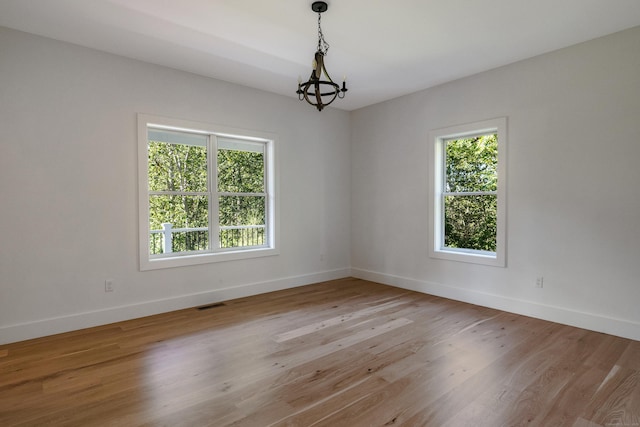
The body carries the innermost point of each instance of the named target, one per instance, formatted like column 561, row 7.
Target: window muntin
column 206, row 195
column 467, row 222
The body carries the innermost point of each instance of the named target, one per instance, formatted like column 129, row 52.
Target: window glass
column 470, row 200
column 470, row 222
column 472, row 163
column 240, row 171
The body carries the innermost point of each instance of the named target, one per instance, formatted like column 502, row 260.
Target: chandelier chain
column 323, row 46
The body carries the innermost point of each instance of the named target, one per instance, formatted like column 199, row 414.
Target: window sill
column 204, row 258
column 469, row 256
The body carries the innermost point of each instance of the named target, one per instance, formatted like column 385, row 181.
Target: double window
column 467, row 222
column 206, row 193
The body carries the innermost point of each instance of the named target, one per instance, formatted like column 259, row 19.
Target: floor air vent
column 207, row 307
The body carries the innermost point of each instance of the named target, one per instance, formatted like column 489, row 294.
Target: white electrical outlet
column 108, row 285
column 540, row 282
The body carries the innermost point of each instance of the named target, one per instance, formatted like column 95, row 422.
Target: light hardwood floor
column 341, row 353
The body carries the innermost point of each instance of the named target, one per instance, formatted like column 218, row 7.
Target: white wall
column 573, row 186
column 68, row 187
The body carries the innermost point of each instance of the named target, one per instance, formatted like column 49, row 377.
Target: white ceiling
column 386, row 48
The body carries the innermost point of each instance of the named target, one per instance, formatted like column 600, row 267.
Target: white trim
column 214, row 202
column 438, row 137
column 72, row 322
column 266, row 139
column 580, row 319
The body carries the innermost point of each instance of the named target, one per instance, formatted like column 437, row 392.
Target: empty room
column 304, row 213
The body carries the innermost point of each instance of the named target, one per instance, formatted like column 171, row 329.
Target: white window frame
column 437, row 178
column 215, row 132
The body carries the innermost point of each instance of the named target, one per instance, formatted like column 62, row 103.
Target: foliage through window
column 207, row 193
column 178, row 192
column 468, row 193
column 241, row 194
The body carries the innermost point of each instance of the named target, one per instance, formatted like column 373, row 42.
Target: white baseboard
column 56, row 325
column 594, row 322
column 40, row 328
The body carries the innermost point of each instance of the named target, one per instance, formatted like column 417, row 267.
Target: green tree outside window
column 470, row 199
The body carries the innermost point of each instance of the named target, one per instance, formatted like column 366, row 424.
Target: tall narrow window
column 206, row 194
column 467, row 221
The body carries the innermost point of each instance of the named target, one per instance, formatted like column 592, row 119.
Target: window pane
column 181, row 241
column 242, row 210
column 177, row 167
column 181, row 212
column 240, row 171
column 470, row 222
column 242, row 237
column 472, row 164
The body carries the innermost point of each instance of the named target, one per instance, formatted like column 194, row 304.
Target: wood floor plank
column 631, row 356
column 617, row 401
column 342, row 353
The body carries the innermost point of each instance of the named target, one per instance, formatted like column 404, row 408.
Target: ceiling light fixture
column 316, row 91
